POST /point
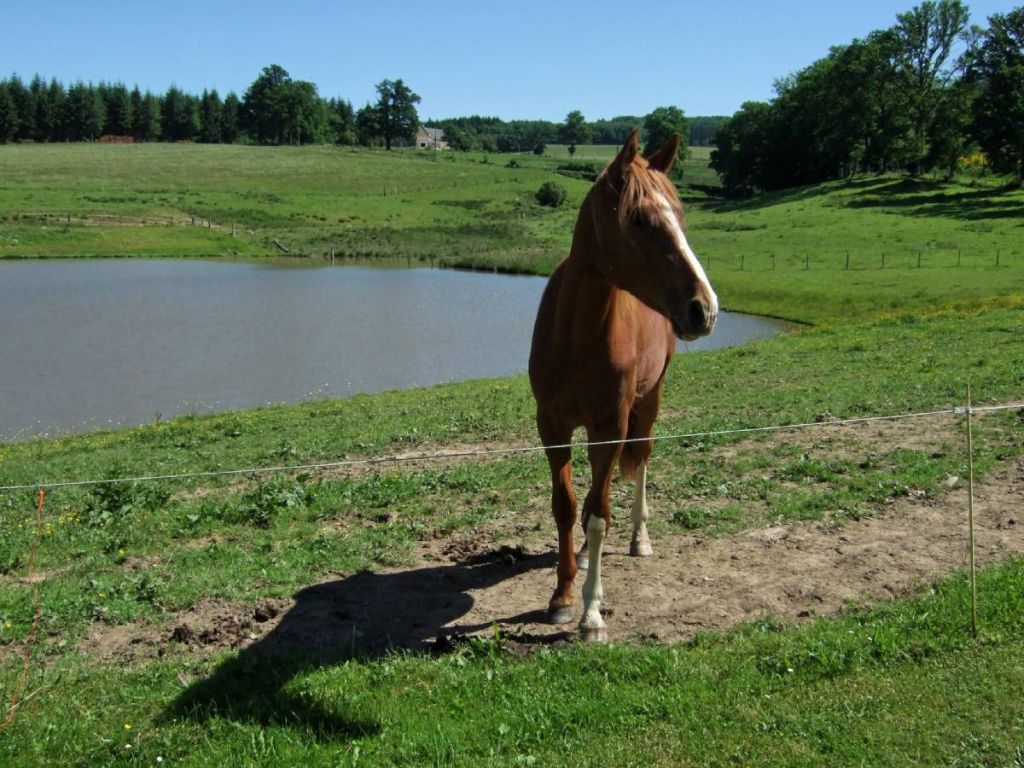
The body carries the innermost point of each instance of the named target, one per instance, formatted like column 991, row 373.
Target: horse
column 602, row 341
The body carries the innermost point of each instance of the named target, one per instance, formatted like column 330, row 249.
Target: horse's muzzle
column 697, row 319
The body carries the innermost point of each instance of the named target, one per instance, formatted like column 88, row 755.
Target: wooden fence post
column 970, row 515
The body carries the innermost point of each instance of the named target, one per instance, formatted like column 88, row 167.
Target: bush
column 551, row 194
column 579, row 170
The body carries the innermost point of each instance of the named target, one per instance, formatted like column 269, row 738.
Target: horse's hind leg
column 563, row 507
column 640, row 543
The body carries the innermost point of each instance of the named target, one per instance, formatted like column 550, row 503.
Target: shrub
column 551, row 194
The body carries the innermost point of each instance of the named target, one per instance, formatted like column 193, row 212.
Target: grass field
column 901, row 683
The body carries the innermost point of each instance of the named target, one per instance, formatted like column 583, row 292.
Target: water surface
column 98, row 343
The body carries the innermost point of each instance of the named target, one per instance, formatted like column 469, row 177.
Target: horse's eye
column 638, row 218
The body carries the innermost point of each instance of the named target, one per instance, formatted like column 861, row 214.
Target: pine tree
column 146, row 125
column 211, row 117
column 8, row 114
column 231, row 119
column 25, row 108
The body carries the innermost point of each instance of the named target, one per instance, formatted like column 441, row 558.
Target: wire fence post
column 970, row 514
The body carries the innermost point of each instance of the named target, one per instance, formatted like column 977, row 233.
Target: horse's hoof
column 561, row 615
column 594, row 634
column 640, row 549
column 582, row 561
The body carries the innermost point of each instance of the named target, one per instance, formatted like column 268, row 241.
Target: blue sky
column 523, row 59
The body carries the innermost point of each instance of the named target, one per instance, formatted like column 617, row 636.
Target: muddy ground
column 466, row 584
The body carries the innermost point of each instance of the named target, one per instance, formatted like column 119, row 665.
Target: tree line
column 492, row 134
column 274, row 110
column 277, row 109
column 920, row 96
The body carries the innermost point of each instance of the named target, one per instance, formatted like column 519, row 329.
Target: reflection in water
column 87, row 344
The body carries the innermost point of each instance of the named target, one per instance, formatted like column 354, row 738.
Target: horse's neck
column 589, row 297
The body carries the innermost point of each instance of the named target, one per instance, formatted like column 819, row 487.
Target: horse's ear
column 622, row 162
column 665, row 157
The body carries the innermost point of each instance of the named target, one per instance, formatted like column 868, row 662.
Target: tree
column 702, row 129
column 396, row 111
column 262, row 105
column 575, row 130
column 459, row 138
column 998, row 114
column 147, row 125
column 743, row 148
column 84, row 113
column 55, row 107
column 118, row 103
column 367, row 129
column 46, row 112
column 615, row 130
column 8, row 114
column 303, row 114
column 180, row 115
column 659, row 126
column 924, row 38
column 279, row 110
column 25, row 108
column 230, row 122
column 211, row 117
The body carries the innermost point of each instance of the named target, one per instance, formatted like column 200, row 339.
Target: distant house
column 430, row 138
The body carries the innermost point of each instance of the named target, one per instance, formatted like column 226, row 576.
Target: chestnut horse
column 602, row 342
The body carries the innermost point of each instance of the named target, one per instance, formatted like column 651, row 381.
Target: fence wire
column 491, row 452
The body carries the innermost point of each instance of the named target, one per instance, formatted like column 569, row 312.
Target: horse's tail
column 630, row 461
column 633, row 454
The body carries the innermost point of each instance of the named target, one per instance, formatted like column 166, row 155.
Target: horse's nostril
column 697, row 314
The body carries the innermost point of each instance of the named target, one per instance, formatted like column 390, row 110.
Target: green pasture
column 844, row 249
column 903, row 683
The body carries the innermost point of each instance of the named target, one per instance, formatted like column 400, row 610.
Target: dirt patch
column 207, row 626
column 465, row 585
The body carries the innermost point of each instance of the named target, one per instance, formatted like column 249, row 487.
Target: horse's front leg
column 597, row 521
column 563, row 507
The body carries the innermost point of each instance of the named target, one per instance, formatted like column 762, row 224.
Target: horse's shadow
column 365, row 616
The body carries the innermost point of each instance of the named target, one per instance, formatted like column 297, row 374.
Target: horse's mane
column 639, row 184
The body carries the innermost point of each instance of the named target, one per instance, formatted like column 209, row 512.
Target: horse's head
column 642, row 247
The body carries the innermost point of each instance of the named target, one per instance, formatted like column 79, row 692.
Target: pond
column 90, row 344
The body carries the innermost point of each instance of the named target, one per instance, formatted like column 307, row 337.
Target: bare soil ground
column 466, row 584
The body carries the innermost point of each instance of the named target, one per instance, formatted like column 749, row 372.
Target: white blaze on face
column 668, row 215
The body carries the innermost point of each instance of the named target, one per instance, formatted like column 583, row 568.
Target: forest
column 276, row 110
column 932, row 93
